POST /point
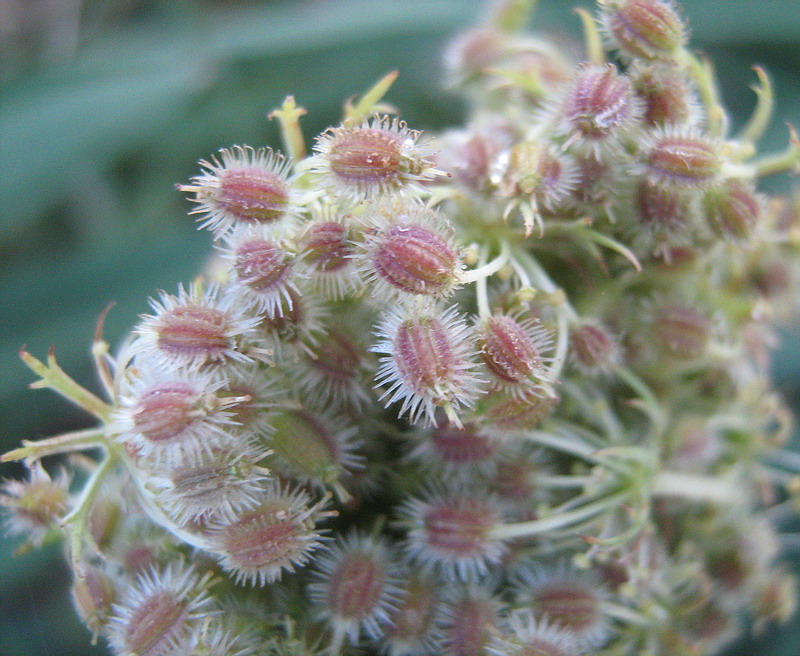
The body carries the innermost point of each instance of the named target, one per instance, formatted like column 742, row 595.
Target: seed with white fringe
column 428, row 362
column 160, row 610
column 355, row 587
column 246, row 187
column 277, row 536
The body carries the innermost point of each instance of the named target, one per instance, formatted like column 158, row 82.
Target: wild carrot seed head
column 355, row 586
column 244, row 186
column 428, row 361
column 449, row 532
column 409, row 249
column 197, row 330
column 171, row 419
column 262, row 271
column 644, row 29
column 161, row 609
column 33, row 506
column 277, row 536
column 598, row 109
column 512, row 348
column 376, row 158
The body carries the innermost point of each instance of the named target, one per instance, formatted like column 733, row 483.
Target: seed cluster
column 502, row 392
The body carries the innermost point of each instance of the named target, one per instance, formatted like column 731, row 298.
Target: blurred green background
column 106, row 104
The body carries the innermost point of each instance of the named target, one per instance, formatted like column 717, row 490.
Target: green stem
column 578, row 449
column 562, row 346
column 765, row 103
column 612, row 244
column 78, row 518
column 481, row 290
column 610, row 422
column 101, row 356
column 589, row 407
column 787, row 161
column 625, row 614
column 651, row 405
column 695, row 487
column 75, row 441
column 564, row 444
column 591, row 37
column 585, row 435
column 159, row 517
column 540, row 279
column 53, row 377
column 371, row 98
column 703, row 74
column 562, row 482
column 524, row 279
column 557, row 520
column 484, row 270
column 289, row 118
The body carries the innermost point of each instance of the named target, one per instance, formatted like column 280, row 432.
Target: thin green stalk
column 556, row 521
column 695, row 487
column 484, row 269
column 369, row 101
column 787, row 161
column 541, row 280
column 762, row 114
column 65, row 443
column 78, row 518
column 55, row 378
column 625, row 614
column 591, row 37
column 562, row 346
column 288, row 116
column 481, row 291
column 562, row 482
column 651, row 405
column 581, row 450
column 703, row 73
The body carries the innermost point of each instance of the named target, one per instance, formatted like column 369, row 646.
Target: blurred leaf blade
column 44, row 140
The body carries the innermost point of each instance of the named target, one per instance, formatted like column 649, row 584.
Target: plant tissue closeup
column 502, row 390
